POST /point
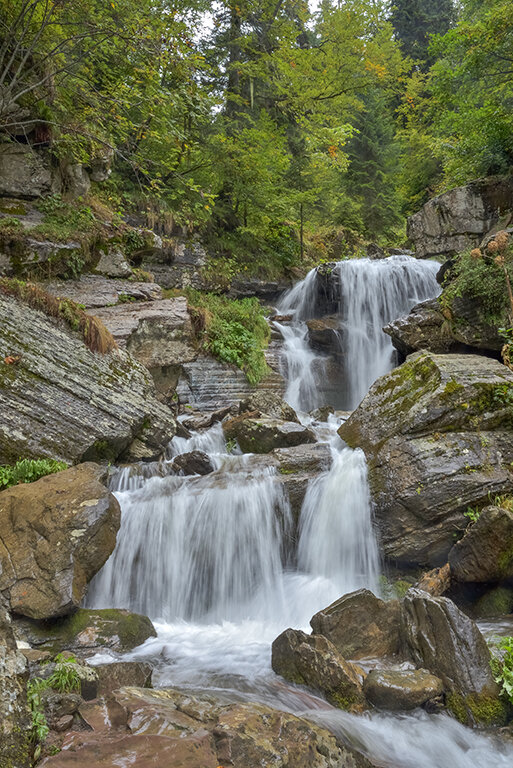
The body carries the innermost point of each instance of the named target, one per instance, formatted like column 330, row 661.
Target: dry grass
column 95, row 335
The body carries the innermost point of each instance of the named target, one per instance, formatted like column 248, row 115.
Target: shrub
column 94, row 333
column 65, row 221
column 233, row 330
column 502, row 667
column 28, row 470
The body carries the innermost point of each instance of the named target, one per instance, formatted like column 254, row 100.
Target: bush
column 502, row 667
column 233, row 330
column 65, row 221
column 28, row 470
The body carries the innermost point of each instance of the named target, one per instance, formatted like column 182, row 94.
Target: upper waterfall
column 366, row 295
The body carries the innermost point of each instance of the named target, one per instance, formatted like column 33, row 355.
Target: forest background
column 278, row 133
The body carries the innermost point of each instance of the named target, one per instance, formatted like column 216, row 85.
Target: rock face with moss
column 312, row 660
column 438, row 436
column 56, row 535
column 170, row 728
column 88, row 631
column 63, row 401
column 485, row 553
column 15, row 747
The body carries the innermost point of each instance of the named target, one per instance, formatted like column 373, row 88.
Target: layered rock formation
column 437, row 433
column 63, row 401
column 460, row 218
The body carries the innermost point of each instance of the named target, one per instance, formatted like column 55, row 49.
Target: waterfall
column 372, row 293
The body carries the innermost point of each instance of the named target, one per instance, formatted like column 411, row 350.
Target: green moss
column 451, row 387
column 477, row 709
column 101, row 451
column 496, row 602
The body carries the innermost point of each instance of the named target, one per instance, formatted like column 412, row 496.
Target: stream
column 220, row 592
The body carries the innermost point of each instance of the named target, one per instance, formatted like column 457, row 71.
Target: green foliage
column 65, row 221
column 28, row 471
column 40, row 727
column 502, row 667
column 234, row 331
column 10, row 225
column 415, row 21
column 480, row 279
column 472, row 514
column 64, row 679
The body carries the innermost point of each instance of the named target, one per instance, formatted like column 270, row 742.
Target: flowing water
column 220, row 566
column 372, row 293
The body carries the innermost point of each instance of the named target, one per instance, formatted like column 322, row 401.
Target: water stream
column 221, row 567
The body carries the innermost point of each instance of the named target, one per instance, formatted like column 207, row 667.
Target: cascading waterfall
column 207, row 558
column 372, row 294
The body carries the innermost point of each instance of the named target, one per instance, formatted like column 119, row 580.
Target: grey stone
column 95, row 291
column 75, row 180
column 15, row 720
column 437, row 433
column 112, row 263
column 63, row 401
column 261, row 435
column 485, row 553
column 24, row 172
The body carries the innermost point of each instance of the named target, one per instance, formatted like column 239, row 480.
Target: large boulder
column 24, row 172
column 97, row 291
column 56, row 535
column 424, row 328
column 15, row 722
column 261, row 435
column 63, row 401
column 268, row 403
column 458, row 219
column 360, row 625
column 167, row 727
column 312, row 660
column 485, row 553
column 442, row 639
column 403, row 689
column 437, row 433
column 88, row 631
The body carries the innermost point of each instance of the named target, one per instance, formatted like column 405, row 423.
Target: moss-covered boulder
column 438, row 436
column 262, row 435
column 56, row 535
column 61, row 400
column 312, row 660
column 88, row 631
column 485, row 553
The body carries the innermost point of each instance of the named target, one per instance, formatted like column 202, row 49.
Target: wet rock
column 198, row 420
column 97, row 291
column 443, row 640
column 360, row 625
column 401, row 690
column 265, row 403
column 24, row 172
column 112, row 263
column 63, row 401
column 15, row 721
column 485, row 553
column 110, row 677
column 193, row 463
column 58, row 705
column 313, row 661
column 323, row 334
column 437, row 433
column 261, row 435
column 88, row 631
column 56, row 535
column 167, row 727
column 435, row 582
column 265, row 290
column 424, row 328
column 494, row 603
column 458, row 219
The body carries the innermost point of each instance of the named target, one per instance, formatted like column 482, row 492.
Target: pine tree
column 415, row 21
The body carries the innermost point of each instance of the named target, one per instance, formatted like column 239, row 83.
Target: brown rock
column 56, row 535
column 123, row 673
column 312, row 660
column 360, row 625
column 436, row 581
column 192, row 463
column 485, row 553
column 401, row 690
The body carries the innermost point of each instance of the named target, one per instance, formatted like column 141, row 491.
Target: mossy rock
column 88, row 631
column 478, row 709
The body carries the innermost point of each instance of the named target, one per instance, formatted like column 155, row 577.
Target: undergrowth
column 28, row 470
column 502, row 667
column 65, row 221
column 233, row 330
column 94, row 333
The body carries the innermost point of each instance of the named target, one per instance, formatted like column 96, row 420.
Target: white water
column 373, row 293
column 209, row 560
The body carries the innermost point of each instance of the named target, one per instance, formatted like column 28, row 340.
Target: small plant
column 28, row 470
column 65, row 677
column 10, row 224
column 472, row 514
column 502, row 667
column 40, row 729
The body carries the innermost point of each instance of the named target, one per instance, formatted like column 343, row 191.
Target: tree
column 415, row 21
